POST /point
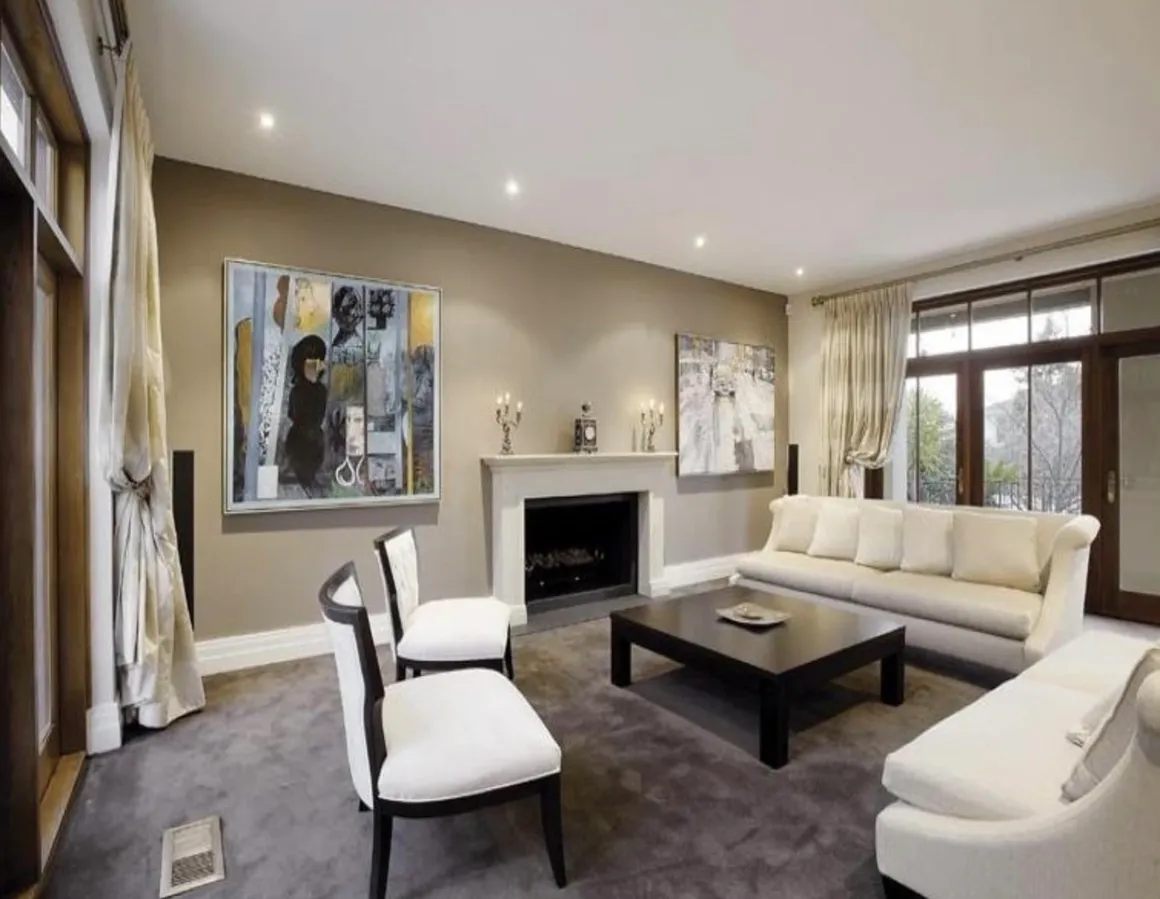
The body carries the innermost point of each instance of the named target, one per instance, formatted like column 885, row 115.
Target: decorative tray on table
column 751, row 614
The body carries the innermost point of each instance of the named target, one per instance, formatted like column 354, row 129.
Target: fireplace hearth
column 579, row 548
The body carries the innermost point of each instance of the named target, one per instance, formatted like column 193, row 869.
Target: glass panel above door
column 1130, row 301
column 1001, row 321
column 942, row 330
column 1061, row 312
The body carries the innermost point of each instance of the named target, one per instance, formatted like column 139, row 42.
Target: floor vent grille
column 191, row 856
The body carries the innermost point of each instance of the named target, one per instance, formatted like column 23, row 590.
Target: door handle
column 1112, row 487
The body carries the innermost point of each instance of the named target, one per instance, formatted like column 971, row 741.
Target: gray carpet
column 655, row 805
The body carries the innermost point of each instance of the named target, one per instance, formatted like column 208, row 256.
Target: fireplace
column 579, row 548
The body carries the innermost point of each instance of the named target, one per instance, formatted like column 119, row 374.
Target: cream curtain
column 156, row 659
column 863, row 378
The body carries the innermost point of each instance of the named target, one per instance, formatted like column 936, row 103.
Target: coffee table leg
column 893, row 679
column 774, row 737
column 621, row 659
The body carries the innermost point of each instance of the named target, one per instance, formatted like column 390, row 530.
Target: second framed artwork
column 331, row 390
column 725, row 405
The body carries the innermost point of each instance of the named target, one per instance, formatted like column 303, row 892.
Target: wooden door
column 1130, row 488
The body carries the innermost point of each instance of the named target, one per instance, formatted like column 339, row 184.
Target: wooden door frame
column 1110, row 600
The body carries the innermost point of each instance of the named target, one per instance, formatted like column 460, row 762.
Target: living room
column 603, row 449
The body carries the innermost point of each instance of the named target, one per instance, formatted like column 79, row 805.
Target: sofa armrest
column 1061, row 618
column 1104, row 845
column 774, row 508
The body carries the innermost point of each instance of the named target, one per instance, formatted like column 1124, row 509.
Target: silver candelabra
column 651, row 418
column 507, row 421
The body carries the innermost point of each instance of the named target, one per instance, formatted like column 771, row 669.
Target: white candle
column 499, row 400
column 507, row 399
column 652, row 404
column 520, row 406
column 662, row 409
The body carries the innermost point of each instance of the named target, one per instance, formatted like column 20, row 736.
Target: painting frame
column 233, row 505
column 689, row 463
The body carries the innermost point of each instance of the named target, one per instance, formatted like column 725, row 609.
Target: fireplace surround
column 511, row 482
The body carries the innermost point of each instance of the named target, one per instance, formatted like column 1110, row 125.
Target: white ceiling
column 848, row 137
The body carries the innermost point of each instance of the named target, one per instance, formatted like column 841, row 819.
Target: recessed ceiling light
column 800, row 272
column 699, row 241
column 266, row 121
column 512, row 187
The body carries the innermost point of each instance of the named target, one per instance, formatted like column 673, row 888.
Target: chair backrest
column 399, row 567
column 359, row 680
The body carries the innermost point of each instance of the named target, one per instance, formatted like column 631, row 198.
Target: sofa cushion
column 1000, row 758
column 992, row 610
column 1095, row 662
column 796, row 520
column 836, row 533
column 797, row 571
column 879, row 537
column 995, row 549
column 926, row 540
column 1114, row 734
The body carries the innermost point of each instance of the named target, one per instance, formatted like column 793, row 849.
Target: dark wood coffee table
column 816, row 645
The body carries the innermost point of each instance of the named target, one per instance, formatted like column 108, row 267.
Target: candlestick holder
column 651, row 418
column 507, row 421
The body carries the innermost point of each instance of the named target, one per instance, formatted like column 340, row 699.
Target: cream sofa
column 979, row 810
column 1007, row 618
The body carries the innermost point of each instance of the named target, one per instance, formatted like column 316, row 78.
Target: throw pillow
column 836, row 533
column 996, row 549
column 1113, row 737
column 879, row 537
column 926, row 540
column 796, row 521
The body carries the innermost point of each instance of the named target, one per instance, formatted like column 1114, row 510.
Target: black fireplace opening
column 580, row 547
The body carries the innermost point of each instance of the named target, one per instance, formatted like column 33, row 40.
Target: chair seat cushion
column 456, row 630
column 1001, row 758
column 827, row 577
column 1000, row 611
column 460, row 733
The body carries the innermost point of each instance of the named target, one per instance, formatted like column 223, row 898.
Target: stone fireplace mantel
column 516, row 478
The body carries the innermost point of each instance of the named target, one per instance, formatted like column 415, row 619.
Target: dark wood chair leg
column 894, row 890
column 507, row 659
column 553, row 821
column 400, row 672
column 362, row 806
column 381, row 857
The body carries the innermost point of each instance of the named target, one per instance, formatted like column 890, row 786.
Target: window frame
column 971, row 364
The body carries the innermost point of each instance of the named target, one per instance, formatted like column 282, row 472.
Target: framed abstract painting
column 725, row 402
column 331, row 390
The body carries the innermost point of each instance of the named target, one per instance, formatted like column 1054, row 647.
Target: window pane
column 13, row 107
column 1131, row 301
column 1056, row 438
column 931, row 460
column 912, row 338
column 1005, row 438
column 1001, row 321
column 942, row 330
column 1059, row 312
column 44, row 165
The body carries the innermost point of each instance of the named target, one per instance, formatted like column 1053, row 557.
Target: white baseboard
column 103, row 728
column 268, row 647
column 686, row 574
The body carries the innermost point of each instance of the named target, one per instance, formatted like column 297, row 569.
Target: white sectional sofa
column 1001, row 588
column 980, row 810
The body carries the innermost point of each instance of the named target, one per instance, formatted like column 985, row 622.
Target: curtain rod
column 1014, row 256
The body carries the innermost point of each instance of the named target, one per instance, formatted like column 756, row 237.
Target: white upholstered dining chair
column 441, row 634
column 434, row 746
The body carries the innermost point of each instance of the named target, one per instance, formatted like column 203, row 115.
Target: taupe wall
column 552, row 324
